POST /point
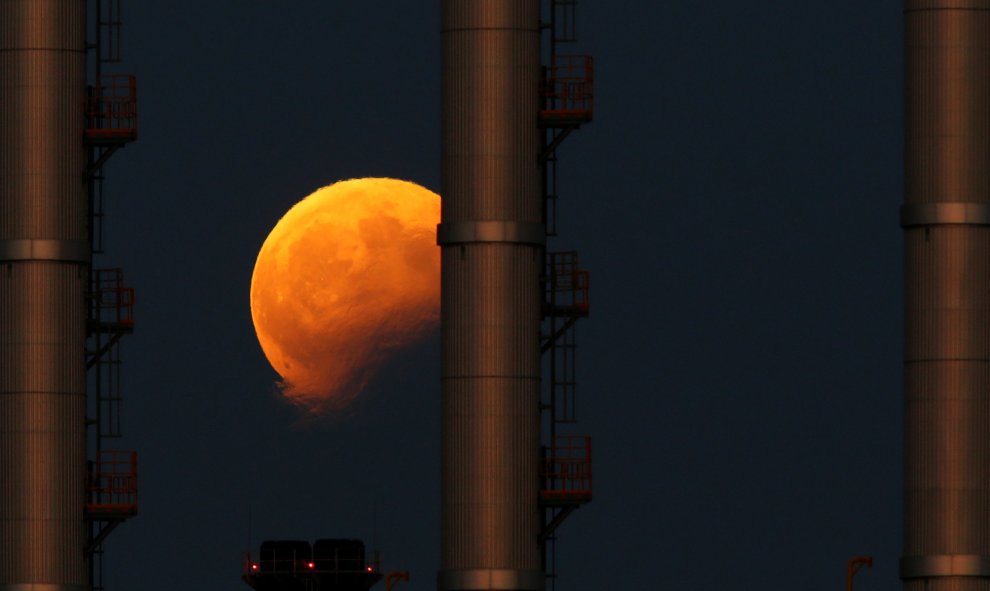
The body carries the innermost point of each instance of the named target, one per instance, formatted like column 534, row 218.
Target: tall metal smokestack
column 491, row 235
column 44, row 255
column 946, row 219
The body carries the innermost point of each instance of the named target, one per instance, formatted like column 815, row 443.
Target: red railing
column 112, row 110
column 569, row 284
column 114, row 302
column 567, row 470
column 112, row 485
column 568, row 90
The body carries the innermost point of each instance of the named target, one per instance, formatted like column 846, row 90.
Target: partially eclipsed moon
column 348, row 275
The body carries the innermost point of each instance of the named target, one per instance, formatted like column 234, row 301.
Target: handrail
column 112, row 483
column 112, row 296
column 565, row 278
column 567, row 469
column 112, row 108
column 568, row 88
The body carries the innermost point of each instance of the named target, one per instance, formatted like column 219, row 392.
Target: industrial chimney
column 491, row 237
column 946, row 220
column 44, row 275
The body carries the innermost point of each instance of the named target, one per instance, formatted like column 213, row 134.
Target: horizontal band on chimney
column 477, row 579
column 29, row 249
column 494, row 231
column 936, row 214
column 945, row 565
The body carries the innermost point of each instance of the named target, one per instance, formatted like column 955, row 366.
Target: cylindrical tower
column 946, row 219
column 44, row 254
column 492, row 237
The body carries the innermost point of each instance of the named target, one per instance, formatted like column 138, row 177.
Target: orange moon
column 349, row 275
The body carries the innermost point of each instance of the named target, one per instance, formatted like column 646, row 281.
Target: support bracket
column 105, row 154
column 559, row 518
column 105, row 529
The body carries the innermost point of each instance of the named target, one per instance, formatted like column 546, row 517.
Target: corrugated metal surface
column 490, row 408
column 490, row 104
column 948, row 106
column 947, row 291
column 42, row 421
column 490, row 297
column 947, row 379
column 42, row 94
column 945, row 584
column 42, row 310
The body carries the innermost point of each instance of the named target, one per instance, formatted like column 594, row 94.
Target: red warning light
column 254, row 567
column 310, row 564
column 369, row 569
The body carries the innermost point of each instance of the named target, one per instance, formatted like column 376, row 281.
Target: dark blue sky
column 735, row 199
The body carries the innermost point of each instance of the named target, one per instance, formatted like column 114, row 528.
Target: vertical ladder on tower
column 567, row 476
column 111, row 487
column 111, row 124
column 111, row 318
column 566, row 102
column 109, row 26
column 567, row 288
column 563, row 21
